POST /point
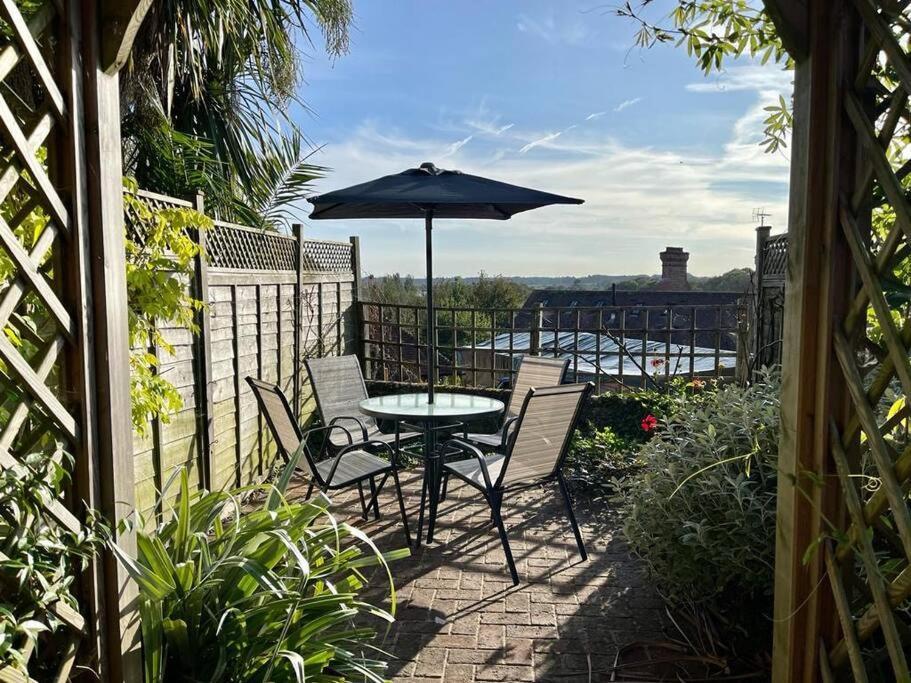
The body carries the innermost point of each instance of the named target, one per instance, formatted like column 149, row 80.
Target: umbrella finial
column 430, row 167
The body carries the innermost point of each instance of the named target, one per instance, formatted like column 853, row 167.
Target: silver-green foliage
column 269, row 594
column 701, row 511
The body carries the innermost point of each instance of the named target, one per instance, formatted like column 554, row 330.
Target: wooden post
column 537, row 321
column 94, row 265
column 205, row 408
column 235, row 339
column 298, row 231
column 818, row 286
column 357, row 317
column 762, row 236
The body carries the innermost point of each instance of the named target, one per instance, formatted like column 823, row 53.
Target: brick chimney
column 673, row 270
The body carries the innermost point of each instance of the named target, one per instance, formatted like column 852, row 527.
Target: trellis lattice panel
column 862, row 480
column 42, row 343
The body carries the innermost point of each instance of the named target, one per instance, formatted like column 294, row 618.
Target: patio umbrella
column 429, row 192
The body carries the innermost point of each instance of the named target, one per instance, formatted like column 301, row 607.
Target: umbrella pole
column 431, row 332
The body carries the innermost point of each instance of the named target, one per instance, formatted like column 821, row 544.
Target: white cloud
column 626, row 104
column 457, row 145
column 554, row 29
column 595, row 115
column 638, row 199
column 748, row 77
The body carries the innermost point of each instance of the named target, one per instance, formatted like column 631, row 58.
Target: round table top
column 416, row 407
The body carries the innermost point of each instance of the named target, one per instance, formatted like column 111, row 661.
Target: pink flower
column 649, row 422
column 657, row 362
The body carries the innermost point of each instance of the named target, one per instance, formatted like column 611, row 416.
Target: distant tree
column 736, row 280
column 499, row 292
column 392, row 289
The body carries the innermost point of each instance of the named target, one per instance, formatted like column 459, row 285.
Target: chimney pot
column 673, row 270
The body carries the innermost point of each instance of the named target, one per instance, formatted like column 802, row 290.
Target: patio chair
column 534, row 454
column 352, row 465
column 533, row 372
column 339, row 387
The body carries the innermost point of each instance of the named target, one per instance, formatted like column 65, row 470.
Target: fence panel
column 272, row 300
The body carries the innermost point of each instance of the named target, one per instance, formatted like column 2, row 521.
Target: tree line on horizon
column 501, row 291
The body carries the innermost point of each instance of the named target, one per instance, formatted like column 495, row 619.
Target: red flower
column 649, row 422
column 657, row 362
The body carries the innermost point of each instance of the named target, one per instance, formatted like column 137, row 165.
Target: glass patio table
column 416, row 408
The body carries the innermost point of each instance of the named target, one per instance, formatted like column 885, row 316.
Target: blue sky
column 552, row 96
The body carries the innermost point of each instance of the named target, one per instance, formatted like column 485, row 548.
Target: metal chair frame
column 326, row 483
column 494, row 491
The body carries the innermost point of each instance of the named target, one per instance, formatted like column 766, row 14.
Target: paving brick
column 500, row 672
column 461, row 619
column 458, row 673
column 490, row 636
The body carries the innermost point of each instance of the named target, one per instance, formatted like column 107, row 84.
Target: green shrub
column 264, row 595
column 701, row 510
column 623, row 413
column 39, row 559
column 606, row 444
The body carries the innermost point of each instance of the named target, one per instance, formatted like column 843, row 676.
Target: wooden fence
column 613, row 346
column 771, row 268
column 272, row 300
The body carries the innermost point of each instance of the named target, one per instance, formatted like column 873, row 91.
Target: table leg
column 436, row 470
column 430, row 478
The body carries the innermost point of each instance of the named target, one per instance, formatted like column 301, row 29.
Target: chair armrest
column 475, row 452
column 360, row 423
column 507, row 429
column 305, row 437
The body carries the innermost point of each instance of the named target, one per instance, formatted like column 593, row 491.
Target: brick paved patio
column 459, row 618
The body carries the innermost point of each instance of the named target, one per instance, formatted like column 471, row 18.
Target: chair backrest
column 535, row 371
column 338, row 387
column 280, row 418
column 543, row 432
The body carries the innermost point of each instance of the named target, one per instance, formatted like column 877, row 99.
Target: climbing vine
column 161, row 250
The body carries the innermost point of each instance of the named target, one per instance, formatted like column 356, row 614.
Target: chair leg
column 421, row 509
column 360, row 490
column 309, row 491
column 496, row 503
column 374, row 492
column 572, row 517
column 445, row 486
column 398, row 491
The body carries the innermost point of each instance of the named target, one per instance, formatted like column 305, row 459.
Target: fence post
column 360, row 344
column 203, row 342
column 298, row 230
column 762, row 237
column 537, row 322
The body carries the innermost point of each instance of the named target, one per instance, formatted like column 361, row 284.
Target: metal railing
column 616, row 347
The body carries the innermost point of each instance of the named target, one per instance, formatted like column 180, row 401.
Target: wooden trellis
column 846, row 464
column 60, row 157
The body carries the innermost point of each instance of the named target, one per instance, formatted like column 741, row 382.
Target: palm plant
column 206, row 101
column 265, row 595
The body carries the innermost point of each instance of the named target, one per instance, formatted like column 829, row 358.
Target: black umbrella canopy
column 429, row 192
column 449, row 194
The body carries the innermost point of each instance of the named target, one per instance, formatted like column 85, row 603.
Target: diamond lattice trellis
column 868, row 559
column 40, row 329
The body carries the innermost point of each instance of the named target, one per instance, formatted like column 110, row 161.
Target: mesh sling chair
column 533, row 372
column 351, row 465
column 339, row 387
column 534, row 454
